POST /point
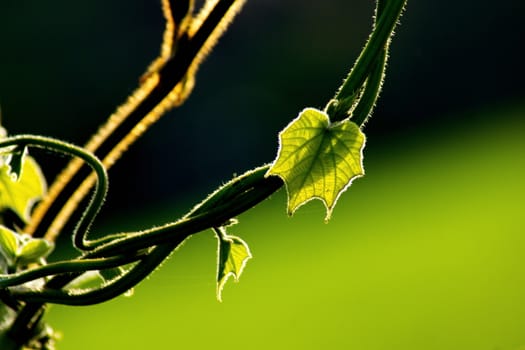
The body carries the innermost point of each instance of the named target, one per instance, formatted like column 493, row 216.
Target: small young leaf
column 8, row 244
column 232, row 257
column 20, row 195
column 318, row 159
column 33, row 250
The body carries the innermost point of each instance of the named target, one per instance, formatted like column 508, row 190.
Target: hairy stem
column 387, row 15
column 160, row 91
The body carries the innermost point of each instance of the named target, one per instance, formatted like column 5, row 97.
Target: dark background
column 65, row 66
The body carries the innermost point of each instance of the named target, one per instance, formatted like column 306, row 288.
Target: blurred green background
column 424, row 252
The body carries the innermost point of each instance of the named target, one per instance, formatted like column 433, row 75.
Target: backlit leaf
column 318, row 159
column 20, row 194
column 8, row 244
column 232, row 257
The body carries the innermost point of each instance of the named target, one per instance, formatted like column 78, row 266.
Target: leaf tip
column 233, row 254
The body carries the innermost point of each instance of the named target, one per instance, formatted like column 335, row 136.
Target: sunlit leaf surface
column 19, row 194
column 233, row 255
column 318, row 159
column 8, row 244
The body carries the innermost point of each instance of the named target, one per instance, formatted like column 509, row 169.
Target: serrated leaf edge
column 223, row 237
column 329, row 209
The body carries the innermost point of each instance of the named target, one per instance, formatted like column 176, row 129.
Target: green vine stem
column 250, row 192
column 387, row 15
column 363, row 108
column 96, row 165
column 69, row 267
column 234, row 198
column 145, row 250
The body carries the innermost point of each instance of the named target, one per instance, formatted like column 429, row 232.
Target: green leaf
column 8, row 244
column 19, row 195
column 232, row 257
column 318, row 159
column 33, row 250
